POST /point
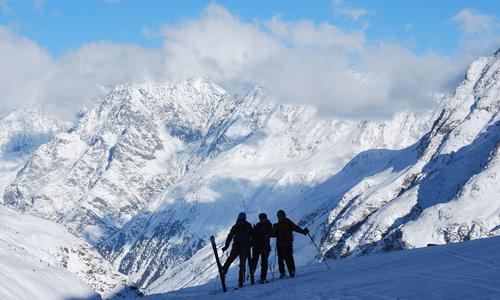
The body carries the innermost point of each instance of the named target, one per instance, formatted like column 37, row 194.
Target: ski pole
column 268, row 264
column 275, row 258
column 319, row 252
column 266, row 256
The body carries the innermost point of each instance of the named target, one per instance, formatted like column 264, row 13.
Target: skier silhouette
column 241, row 234
column 283, row 232
column 261, row 246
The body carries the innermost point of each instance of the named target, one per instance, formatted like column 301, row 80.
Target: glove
column 224, row 248
column 306, row 231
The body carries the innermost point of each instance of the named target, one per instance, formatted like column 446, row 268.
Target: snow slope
column 467, row 270
column 40, row 259
column 31, row 268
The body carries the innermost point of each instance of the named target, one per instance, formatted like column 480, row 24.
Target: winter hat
column 281, row 212
column 262, row 216
column 242, row 216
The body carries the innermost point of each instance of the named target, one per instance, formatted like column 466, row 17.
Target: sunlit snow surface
column 40, row 259
column 467, row 270
column 29, row 264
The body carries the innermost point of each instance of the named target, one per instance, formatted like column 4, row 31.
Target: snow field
column 467, row 270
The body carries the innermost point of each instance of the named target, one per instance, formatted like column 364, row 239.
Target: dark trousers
column 243, row 254
column 263, row 261
column 285, row 254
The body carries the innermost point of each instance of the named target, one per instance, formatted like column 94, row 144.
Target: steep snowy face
column 21, row 133
column 124, row 151
column 465, row 166
column 444, row 189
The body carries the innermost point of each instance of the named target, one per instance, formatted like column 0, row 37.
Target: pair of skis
column 219, row 266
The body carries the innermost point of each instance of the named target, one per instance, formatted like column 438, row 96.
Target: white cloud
column 472, row 22
column 480, row 34
column 30, row 77
column 353, row 13
column 405, row 80
column 306, row 33
column 218, row 45
column 77, row 79
column 23, row 69
column 302, row 62
column 305, row 63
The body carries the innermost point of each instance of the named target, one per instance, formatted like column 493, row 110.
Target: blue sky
column 423, row 26
column 345, row 57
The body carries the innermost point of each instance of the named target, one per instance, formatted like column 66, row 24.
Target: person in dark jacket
column 261, row 246
column 283, row 232
column 241, row 235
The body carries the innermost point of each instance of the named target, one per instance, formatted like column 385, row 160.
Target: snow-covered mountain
column 442, row 190
column 153, row 170
column 144, row 143
column 40, row 259
column 97, row 176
